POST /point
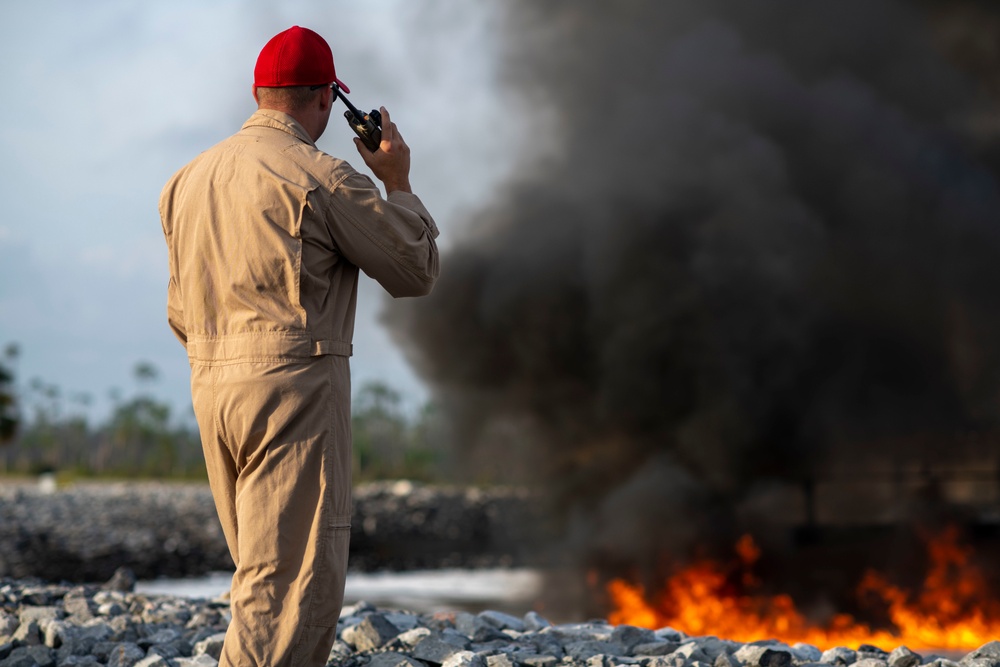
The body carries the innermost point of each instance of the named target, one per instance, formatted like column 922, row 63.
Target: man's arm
column 391, row 239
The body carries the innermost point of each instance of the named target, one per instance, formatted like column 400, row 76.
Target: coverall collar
column 278, row 120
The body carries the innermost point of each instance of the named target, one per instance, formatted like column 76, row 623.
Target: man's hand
column 391, row 162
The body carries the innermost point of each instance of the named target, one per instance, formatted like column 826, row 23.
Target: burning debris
column 952, row 609
column 747, row 287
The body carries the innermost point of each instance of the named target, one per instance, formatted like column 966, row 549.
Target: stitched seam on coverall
column 219, row 434
column 215, row 410
column 326, row 536
column 299, row 643
column 360, row 227
column 375, row 241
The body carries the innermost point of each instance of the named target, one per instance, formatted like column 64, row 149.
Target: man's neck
column 308, row 121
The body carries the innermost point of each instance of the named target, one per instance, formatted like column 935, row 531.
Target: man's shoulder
column 204, row 155
column 329, row 170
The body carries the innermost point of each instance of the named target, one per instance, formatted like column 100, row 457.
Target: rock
column 411, row 638
column 533, row 622
column 434, row 648
column 197, row 661
column 31, row 656
column 775, row 658
column 211, row 646
column 870, row 662
column 869, row 651
column 402, row 620
column 500, row 660
column 757, row 655
column 154, row 660
column 123, row 580
column 541, row 661
column 78, row 606
column 27, row 634
column 464, row 659
column 804, row 653
column 581, row 632
column 901, row 656
column 79, row 639
column 79, row 661
column 630, row 636
column 392, row 659
column 57, row 633
column 347, row 634
column 503, row 621
column 547, row 644
column 839, row 655
column 989, row 651
column 713, row 647
column 8, row 624
column 726, row 660
column 166, row 651
column 373, row 632
column 667, row 661
column 39, row 614
column 162, row 636
column 477, row 628
column 125, row 654
column 692, row 651
column 655, row 648
column 340, row 653
column 582, row 651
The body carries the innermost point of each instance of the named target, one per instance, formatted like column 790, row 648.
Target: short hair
column 287, row 97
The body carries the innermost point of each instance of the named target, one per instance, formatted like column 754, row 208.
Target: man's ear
column 326, row 100
column 253, row 91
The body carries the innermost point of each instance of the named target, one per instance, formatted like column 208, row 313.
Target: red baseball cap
column 296, row 57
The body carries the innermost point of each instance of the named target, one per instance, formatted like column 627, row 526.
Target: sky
column 105, row 100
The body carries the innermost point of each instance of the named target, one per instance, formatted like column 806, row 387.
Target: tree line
column 44, row 429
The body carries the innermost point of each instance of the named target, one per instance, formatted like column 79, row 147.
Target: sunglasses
column 332, row 87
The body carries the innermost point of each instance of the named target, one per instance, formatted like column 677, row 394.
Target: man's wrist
column 397, row 186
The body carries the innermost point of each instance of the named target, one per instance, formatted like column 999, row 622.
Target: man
column 266, row 234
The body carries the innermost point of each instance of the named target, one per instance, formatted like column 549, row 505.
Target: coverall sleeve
column 391, row 240
column 175, row 312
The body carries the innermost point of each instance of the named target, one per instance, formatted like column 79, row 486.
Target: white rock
column 202, row 660
column 412, row 637
column 463, row 659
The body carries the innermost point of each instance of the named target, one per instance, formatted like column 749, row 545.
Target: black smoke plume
column 759, row 247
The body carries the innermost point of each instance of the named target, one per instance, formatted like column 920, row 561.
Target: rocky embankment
column 85, row 532
column 45, row 625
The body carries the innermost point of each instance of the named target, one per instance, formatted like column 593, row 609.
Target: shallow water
column 426, row 591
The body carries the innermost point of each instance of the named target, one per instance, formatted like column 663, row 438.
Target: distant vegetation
column 8, row 406
column 42, row 429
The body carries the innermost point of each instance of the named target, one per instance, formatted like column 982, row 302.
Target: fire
column 950, row 612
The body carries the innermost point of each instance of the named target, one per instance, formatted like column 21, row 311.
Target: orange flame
column 950, row 612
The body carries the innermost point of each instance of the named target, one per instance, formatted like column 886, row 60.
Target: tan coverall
column 265, row 235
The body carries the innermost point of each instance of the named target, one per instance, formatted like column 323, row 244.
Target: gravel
column 85, row 532
column 55, row 625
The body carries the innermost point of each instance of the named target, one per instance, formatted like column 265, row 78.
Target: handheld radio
column 367, row 126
